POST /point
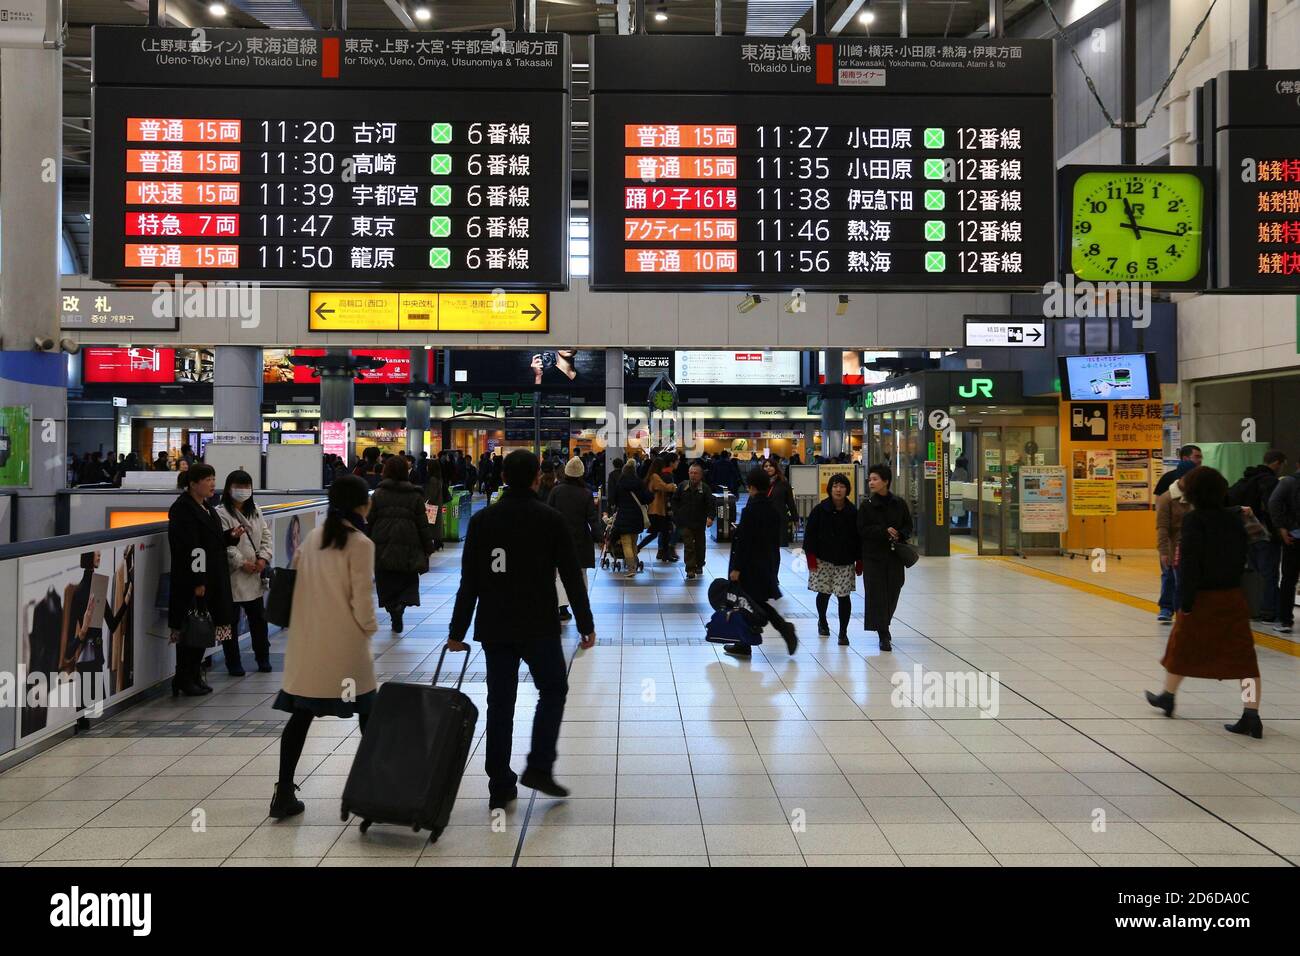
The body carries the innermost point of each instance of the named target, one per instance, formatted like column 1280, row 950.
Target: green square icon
column 440, row 133
column 935, row 231
column 935, row 262
column 933, row 138
column 439, row 257
column 440, row 164
column 440, row 195
column 440, row 226
column 934, row 200
column 934, row 169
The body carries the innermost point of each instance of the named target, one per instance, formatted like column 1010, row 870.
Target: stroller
column 611, row 555
column 737, row 618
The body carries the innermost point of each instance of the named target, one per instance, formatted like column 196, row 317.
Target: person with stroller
column 756, row 558
column 834, row 554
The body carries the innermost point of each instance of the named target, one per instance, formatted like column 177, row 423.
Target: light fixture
column 866, row 18
column 661, row 15
column 423, row 14
column 749, row 303
column 842, row 305
column 217, row 9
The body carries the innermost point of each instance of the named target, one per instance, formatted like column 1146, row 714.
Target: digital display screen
column 279, row 370
column 128, row 366
column 727, row 367
column 246, row 172
column 851, row 184
column 1259, row 215
column 1109, row 378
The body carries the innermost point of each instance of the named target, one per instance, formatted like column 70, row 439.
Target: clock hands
column 1132, row 220
column 1163, row 232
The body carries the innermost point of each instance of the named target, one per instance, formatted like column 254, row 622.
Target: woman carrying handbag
column 884, row 525
column 201, row 610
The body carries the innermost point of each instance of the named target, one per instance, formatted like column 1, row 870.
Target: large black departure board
column 838, row 165
column 320, row 159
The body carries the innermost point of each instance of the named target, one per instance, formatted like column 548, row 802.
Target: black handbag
column 906, row 553
column 199, row 631
column 279, row 601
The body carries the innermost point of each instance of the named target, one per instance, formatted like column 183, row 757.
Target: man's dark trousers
column 545, row 660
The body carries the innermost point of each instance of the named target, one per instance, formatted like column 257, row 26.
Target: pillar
column 237, row 389
column 614, row 430
column 418, row 411
column 33, row 384
column 835, row 436
column 337, row 391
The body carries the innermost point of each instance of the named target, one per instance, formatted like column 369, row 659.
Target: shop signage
column 489, row 402
column 1006, row 334
column 236, row 438
column 1119, row 424
column 891, row 395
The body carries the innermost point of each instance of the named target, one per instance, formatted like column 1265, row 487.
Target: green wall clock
column 1137, row 224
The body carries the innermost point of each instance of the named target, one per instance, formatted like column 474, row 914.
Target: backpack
column 1249, row 492
column 729, row 627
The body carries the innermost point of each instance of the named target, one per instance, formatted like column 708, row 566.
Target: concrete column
column 337, row 392
column 835, row 436
column 615, row 427
column 32, row 384
column 237, row 389
column 418, row 411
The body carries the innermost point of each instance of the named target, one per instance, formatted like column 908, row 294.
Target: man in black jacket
column 512, row 553
column 693, row 512
column 756, row 558
column 1284, row 511
column 1253, row 491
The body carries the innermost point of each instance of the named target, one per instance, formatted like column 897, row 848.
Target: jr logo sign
column 976, row 386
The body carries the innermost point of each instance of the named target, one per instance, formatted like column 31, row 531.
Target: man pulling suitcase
column 512, row 553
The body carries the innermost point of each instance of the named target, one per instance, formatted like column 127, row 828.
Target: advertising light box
column 730, row 367
column 751, row 164
column 128, row 366
column 304, row 158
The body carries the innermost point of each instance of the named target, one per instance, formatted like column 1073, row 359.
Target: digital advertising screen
column 527, row 368
column 730, row 367
column 1110, row 377
column 128, row 366
column 750, row 164
column 278, row 369
column 302, row 158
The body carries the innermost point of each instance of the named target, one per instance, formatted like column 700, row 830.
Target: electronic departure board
column 1257, row 156
column 740, row 163
column 306, row 158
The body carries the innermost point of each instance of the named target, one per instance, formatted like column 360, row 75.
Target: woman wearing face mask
column 883, row 521
column 328, row 668
column 249, row 557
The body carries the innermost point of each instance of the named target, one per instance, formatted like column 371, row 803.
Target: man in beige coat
column 1171, row 507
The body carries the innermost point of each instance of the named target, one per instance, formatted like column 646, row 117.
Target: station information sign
column 1257, row 156
column 751, row 164
column 305, row 158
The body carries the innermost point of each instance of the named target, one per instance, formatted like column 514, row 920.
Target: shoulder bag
column 279, row 600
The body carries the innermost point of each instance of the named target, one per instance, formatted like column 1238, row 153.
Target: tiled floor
column 679, row 755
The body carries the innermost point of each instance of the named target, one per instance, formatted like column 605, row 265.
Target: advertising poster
column 1042, row 499
column 1133, row 477
column 78, row 614
column 737, row 368
column 1092, row 497
column 1101, row 463
column 526, row 368
column 277, row 369
column 15, row 446
column 288, row 533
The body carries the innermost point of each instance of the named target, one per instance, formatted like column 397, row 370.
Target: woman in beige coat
column 328, row 668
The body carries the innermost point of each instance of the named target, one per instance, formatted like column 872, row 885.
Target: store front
column 962, row 478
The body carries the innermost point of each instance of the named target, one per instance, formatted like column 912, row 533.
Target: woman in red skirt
column 1211, row 636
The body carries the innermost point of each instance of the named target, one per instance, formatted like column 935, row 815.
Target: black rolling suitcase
column 412, row 756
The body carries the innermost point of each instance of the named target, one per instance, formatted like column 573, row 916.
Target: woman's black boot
column 1163, row 701
column 1249, row 724
column 823, row 629
column 284, row 803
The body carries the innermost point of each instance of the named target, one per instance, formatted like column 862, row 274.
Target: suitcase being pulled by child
column 737, row 618
column 408, row 768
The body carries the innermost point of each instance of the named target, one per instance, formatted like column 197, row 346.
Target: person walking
column 693, row 512
column 1284, row 513
column 433, row 499
column 883, row 521
column 756, row 558
column 834, row 554
column 248, row 559
column 1211, row 636
column 328, row 667
column 572, row 499
column 629, row 501
column 1171, row 508
column 403, row 537
column 199, row 575
column 513, row 551
column 658, row 481
column 782, row 496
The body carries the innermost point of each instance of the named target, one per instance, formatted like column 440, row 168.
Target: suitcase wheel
column 365, row 825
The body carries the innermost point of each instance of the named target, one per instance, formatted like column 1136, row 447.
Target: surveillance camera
column 71, row 346
column 43, row 344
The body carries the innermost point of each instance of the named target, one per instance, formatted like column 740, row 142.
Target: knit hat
column 575, row 468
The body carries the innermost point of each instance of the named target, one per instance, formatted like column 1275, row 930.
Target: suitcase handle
column 464, row 668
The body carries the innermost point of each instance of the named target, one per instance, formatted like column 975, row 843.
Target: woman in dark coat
column 834, row 554
column 403, row 538
column 883, row 520
column 782, row 496
column 199, row 573
column 629, row 497
column 572, row 499
column 1211, row 636
column 756, row 558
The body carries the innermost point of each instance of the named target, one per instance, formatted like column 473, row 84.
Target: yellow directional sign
column 496, row 311
column 493, row 312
